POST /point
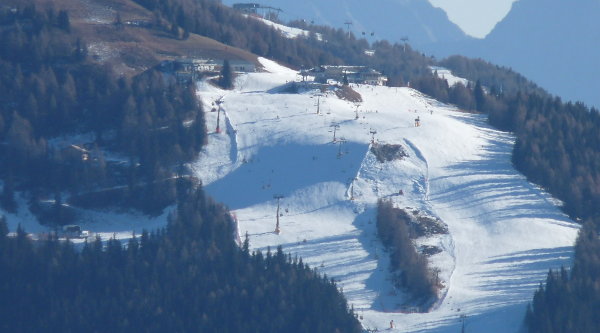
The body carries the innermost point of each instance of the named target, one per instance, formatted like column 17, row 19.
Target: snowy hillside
column 446, row 74
column 389, row 19
column 106, row 224
column 286, row 31
column 505, row 233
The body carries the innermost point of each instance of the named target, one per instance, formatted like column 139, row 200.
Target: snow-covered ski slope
column 505, row 233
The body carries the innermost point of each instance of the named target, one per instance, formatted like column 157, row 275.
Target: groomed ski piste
column 504, row 232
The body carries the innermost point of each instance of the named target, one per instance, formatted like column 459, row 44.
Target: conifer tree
column 3, row 227
column 64, row 22
column 479, row 96
column 226, row 79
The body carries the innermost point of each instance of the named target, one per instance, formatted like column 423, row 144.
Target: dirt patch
column 429, row 250
column 388, row 152
column 424, row 225
column 348, row 94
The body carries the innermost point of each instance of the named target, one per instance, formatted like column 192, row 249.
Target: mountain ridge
column 553, row 43
column 391, row 20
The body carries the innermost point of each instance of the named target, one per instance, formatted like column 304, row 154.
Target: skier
column 392, row 324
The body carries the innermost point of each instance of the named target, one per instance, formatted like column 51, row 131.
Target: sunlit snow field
column 505, row 233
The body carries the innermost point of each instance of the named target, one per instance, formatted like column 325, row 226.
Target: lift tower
column 278, row 197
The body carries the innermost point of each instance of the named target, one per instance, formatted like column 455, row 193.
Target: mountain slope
column 504, row 232
column 553, row 43
column 389, row 19
column 140, row 42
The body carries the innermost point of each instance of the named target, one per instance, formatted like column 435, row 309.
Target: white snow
column 97, row 13
column 505, row 233
column 288, row 32
column 446, row 74
column 107, row 223
column 102, row 51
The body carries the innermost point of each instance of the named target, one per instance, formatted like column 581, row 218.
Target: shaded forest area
column 409, row 268
column 188, row 277
column 500, row 80
column 49, row 89
column 558, row 147
column 569, row 301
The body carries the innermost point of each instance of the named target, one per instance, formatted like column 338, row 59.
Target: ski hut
column 72, row 231
column 247, row 8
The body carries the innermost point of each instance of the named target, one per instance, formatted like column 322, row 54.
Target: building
column 247, row 8
column 187, row 70
column 74, row 231
column 242, row 66
column 354, row 74
column 373, row 77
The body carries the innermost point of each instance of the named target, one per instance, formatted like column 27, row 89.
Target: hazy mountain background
column 552, row 42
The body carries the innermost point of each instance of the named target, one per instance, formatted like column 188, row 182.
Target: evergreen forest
column 189, row 277
column 183, row 278
column 50, row 90
column 569, row 301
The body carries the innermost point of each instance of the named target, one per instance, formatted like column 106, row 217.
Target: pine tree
column 226, row 79
column 3, row 227
column 64, row 22
column 7, row 200
column 479, row 97
column 118, row 22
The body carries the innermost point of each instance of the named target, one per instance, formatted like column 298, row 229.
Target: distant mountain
column 387, row 19
column 552, row 42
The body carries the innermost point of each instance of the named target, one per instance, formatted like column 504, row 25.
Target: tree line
column 187, row 277
column 410, row 268
column 569, row 301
